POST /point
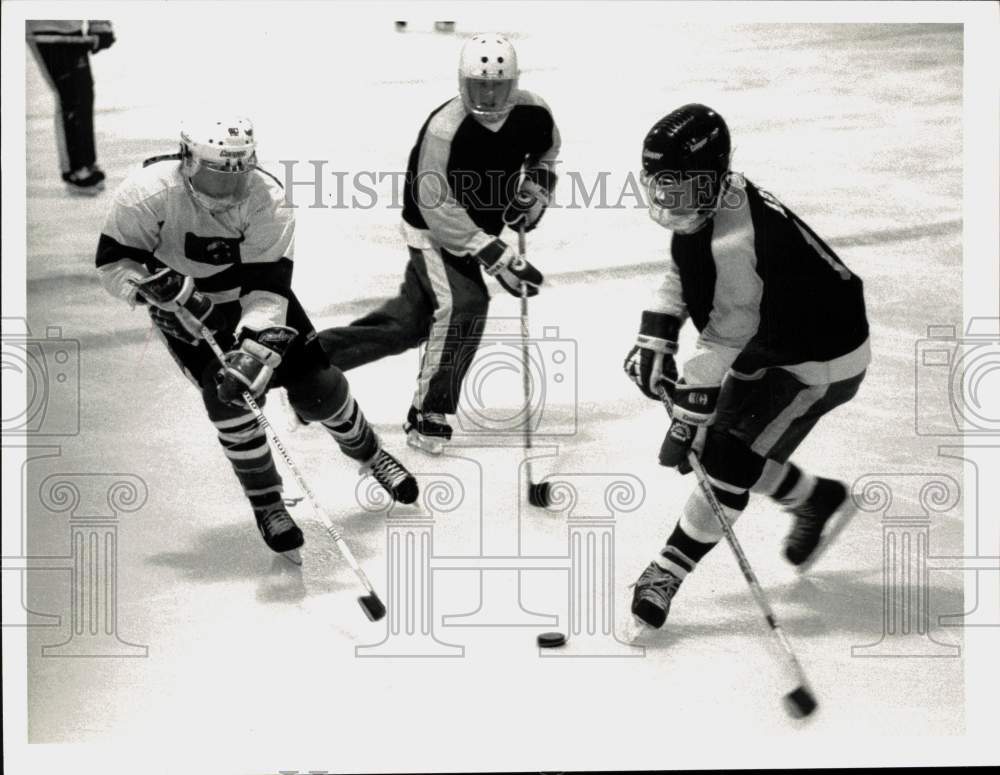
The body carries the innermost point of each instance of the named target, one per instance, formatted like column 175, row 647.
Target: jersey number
column 212, row 250
column 811, row 239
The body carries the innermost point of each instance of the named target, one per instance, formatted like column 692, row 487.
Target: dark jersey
column 461, row 174
column 764, row 290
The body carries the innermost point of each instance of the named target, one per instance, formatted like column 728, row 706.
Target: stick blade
column 373, row 607
column 538, row 495
column 800, row 702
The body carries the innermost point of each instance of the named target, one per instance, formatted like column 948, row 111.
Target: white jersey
column 243, row 253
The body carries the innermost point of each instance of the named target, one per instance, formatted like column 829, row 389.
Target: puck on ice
column 550, row 640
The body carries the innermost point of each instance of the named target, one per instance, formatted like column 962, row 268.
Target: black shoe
column 393, row 477
column 427, row 431
column 817, row 522
column 277, row 528
column 652, row 595
column 86, row 180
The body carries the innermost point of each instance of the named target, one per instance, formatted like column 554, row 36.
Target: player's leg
column 759, row 420
column 820, row 506
column 393, row 328
column 319, row 392
column 67, row 69
column 460, row 303
column 244, row 444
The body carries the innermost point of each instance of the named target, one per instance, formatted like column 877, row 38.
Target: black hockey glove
column 176, row 308
column 527, row 206
column 650, row 362
column 105, row 35
column 510, row 269
column 251, row 365
column 691, row 407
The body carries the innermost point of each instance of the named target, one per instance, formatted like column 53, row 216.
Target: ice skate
column 652, row 595
column 393, row 477
column 817, row 522
column 279, row 531
column 427, row 431
column 88, row 181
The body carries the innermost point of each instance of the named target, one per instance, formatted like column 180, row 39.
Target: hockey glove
column 527, row 206
column 691, row 407
column 510, row 269
column 251, row 366
column 176, row 308
column 105, row 35
column 650, row 363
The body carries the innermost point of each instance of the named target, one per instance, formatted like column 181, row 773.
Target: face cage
column 218, row 187
column 476, row 94
column 681, row 204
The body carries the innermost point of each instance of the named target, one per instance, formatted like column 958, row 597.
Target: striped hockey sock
column 351, row 431
column 245, row 444
column 681, row 553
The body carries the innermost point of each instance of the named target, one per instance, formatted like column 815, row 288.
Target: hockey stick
column 371, row 604
column 801, row 701
column 78, row 40
column 538, row 494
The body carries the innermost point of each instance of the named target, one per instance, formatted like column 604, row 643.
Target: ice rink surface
column 857, row 128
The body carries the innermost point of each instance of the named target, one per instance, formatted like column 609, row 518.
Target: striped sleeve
column 669, row 298
column 735, row 315
column 449, row 223
column 267, row 252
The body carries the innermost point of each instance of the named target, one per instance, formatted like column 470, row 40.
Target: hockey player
column 483, row 159
column 202, row 237
column 783, row 339
column 64, row 59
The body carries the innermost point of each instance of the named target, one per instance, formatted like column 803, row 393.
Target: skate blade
column 293, row 556
column 834, row 526
column 87, row 191
column 426, row 444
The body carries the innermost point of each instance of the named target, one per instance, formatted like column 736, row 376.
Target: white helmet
column 217, row 158
column 487, row 77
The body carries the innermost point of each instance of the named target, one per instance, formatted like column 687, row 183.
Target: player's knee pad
column 699, row 521
column 319, row 395
column 729, row 462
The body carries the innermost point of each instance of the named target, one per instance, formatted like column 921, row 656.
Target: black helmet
column 690, row 141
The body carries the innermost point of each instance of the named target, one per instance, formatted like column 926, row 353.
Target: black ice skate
column 817, row 522
column 86, row 180
column 279, row 531
column 652, row 595
column 393, row 477
column 427, row 431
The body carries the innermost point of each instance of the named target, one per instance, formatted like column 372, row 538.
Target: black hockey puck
column 800, row 702
column 551, row 640
column 373, row 607
column 538, row 495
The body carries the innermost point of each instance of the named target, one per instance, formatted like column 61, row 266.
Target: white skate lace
column 387, row 471
column 659, row 582
column 434, row 417
column 276, row 521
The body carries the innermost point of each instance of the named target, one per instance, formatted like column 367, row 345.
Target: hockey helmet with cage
column 487, row 77
column 217, row 159
column 685, row 160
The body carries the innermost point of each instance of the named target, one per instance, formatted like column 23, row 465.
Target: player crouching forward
column 783, row 339
column 482, row 160
column 202, row 237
